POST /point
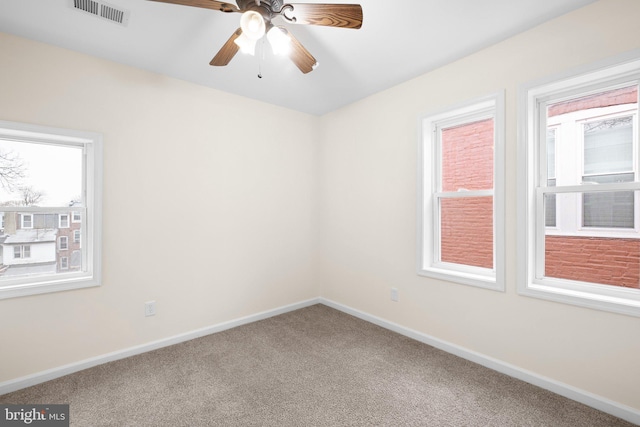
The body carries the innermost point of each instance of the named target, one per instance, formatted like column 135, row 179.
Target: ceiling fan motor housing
column 267, row 8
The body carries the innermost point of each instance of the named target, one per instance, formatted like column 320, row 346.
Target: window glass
column 601, row 125
column 550, row 202
column 467, row 156
column 44, row 174
column 608, row 146
column 50, row 179
column 466, row 223
column 610, row 261
column 609, row 209
column 467, row 231
column 76, row 259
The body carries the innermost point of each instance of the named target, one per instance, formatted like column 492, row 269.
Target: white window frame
column 65, row 246
column 429, row 194
column 90, row 207
column 76, row 236
column 73, row 217
column 533, row 98
column 64, row 263
column 61, row 224
column 22, row 221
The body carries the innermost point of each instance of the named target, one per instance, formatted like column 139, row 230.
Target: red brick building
column 68, row 253
column 467, row 164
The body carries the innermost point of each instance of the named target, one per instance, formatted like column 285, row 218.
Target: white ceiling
column 399, row 40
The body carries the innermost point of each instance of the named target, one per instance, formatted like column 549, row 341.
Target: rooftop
column 34, row 235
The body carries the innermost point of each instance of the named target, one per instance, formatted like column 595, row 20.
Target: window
column 27, row 221
column 76, row 236
column 63, row 221
column 62, row 169
column 63, row 243
column 462, row 206
column 579, row 206
column 22, row 251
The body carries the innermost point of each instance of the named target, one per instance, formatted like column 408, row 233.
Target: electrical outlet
column 394, row 294
column 150, row 308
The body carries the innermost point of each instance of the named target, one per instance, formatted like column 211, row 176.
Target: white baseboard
column 50, row 374
column 598, row 402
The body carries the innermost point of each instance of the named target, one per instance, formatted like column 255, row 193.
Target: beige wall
column 209, row 209
column 368, row 226
column 230, row 219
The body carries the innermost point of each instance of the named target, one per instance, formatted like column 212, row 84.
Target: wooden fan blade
column 206, row 4
column 228, row 51
column 301, row 56
column 331, row 15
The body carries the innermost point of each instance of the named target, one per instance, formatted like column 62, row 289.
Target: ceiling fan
column 256, row 21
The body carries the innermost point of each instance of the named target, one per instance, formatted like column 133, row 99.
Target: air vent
column 102, row 10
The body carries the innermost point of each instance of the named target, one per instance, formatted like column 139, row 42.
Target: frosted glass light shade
column 279, row 40
column 252, row 25
column 246, row 44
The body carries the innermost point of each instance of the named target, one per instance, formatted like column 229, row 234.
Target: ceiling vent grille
column 102, row 10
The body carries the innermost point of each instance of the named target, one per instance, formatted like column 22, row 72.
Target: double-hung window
column 461, row 210
column 27, row 220
column 579, row 206
column 54, row 177
column 22, row 251
column 63, row 221
column 63, row 243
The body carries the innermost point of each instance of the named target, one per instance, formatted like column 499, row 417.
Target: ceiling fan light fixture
column 246, row 44
column 279, row 41
column 253, row 25
column 256, row 20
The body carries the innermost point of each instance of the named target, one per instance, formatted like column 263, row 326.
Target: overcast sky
column 52, row 169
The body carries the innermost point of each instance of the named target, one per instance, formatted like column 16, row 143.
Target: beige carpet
column 312, row 367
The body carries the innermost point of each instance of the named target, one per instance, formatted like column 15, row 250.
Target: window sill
column 463, row 278
column 35, row 288
column 626, row 302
